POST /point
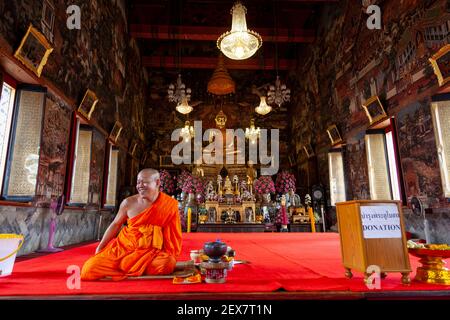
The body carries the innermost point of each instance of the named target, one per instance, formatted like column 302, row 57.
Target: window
column 441, row 119
column 111, row 188
column 6, row 109
column 19, row 181
column 79, row 187
column 383, row 164
column 337, row 183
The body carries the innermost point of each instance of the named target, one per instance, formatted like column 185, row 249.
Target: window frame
column 383, row 128
column 78, row 124
column 342, row 152
column 108, row 152
column 12, row 138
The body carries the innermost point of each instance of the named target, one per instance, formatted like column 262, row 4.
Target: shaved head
column 149, row 172
column 148, row 183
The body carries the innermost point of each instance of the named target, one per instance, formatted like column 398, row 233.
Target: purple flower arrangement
column 167, row 182
column 285, row 182
column 193, row 184
column 264, row 184
column 182, row 178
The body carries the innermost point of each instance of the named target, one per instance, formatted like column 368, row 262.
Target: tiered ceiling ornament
column 239, row 43
column 263, row 107
column 278, row 93
column 252, row 133
column 221, row 83
column 181, row 95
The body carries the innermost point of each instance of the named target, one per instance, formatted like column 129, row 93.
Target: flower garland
column 264, row 184
column 285, row 182
column 167, row 182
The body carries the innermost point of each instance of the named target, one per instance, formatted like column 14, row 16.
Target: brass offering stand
column 433, row 268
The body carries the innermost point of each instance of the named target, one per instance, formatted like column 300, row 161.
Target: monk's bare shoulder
column 130, row 201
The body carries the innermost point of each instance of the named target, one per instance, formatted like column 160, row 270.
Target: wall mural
column 419, row 154
column 100, row 57
column 54, row 148
column 355, row 169
column 353, row 63
column 97, row 165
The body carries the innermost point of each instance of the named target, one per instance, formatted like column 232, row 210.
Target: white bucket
column 10, row 244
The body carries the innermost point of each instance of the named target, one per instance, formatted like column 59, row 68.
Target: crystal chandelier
column 187, row 132
column 278, row 93
column 184, row 107
column 252, row 133
column 263, row 108
column 178, row 92
column 239, row 43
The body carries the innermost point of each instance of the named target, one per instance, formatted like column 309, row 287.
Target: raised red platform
column 282, row 266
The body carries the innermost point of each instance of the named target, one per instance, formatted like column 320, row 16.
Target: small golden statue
column 228, row 187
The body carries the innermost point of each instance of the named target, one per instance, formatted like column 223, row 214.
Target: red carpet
column 289, row 261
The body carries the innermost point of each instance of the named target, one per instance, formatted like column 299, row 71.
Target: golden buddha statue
column 228, row 187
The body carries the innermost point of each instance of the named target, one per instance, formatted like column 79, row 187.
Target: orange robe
column 149, row 244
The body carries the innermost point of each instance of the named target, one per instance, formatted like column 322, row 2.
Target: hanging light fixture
column 178, row 92
column 263, row 107
column 278, row 93
column 252, row 133
column 184, row 107
column 221, row 83
column 239, row 43
column 187, row 132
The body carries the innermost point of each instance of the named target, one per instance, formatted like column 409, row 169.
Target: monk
column 149, row 244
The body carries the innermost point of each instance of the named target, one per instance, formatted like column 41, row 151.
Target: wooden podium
column 372, row 234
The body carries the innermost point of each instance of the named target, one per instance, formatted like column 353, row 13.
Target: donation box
column 373, row 238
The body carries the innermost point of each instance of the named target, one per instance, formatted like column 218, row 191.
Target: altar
column 220, row 212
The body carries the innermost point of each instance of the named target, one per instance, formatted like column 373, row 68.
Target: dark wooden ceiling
column 180, row 36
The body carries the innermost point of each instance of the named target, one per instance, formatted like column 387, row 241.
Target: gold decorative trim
column 435, row 64
column 374, row 115
column 32, row 31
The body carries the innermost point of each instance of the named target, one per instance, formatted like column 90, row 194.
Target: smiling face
column 148, row 185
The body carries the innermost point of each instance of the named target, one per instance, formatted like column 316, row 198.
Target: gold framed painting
column 374, row 109
column 309, row 150
column 34, row 50
column 441, row 64
column 115, row 132
column 87, row 105
column 334, row 135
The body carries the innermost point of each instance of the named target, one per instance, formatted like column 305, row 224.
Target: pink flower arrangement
column 167, row 182
column 285, row 182
column 182, row 178
column 264, row 184
column 193, row 184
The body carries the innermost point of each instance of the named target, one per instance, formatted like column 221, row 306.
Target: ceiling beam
column 164, row 2
column 170, row 62
column 195, row 33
